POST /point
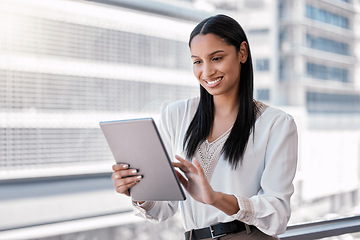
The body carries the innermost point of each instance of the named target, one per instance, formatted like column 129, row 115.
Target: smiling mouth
column 214, row 81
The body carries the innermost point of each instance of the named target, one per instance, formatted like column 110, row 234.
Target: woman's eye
column 196, row 62
column 217, row 58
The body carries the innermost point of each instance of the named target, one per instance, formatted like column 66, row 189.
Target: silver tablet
column 137, row 142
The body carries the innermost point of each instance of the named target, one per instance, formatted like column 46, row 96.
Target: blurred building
column 66, row 65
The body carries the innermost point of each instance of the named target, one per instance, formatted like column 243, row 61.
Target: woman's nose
column 208, row 71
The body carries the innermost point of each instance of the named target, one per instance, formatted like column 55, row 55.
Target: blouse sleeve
column 269, row 210
column 158, row 211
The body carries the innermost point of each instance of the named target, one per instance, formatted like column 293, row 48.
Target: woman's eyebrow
column 213, row 53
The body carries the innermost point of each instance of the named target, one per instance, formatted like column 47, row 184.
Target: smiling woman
column 236, row 157
column 214, row 69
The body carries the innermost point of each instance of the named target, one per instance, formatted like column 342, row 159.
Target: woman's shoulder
column 183, row 106
column 272, row 113
column 179, row 112
column 275, row 119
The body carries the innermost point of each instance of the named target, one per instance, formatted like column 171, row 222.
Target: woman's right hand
column 124, row 178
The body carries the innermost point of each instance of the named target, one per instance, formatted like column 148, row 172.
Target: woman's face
column 216, row 64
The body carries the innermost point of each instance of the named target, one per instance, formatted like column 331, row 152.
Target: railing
column 322, row 229
column 94, row 185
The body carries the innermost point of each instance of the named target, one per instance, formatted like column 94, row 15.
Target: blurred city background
column 65, row 65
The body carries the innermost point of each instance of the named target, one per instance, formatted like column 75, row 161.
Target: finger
column 181, row 159
column 186, row 163
column 198, row 166
column 178, row 164
column 124, row 189
column 119, row 183
column 124, row 173
column 181, row 166
column 182, row 179
column 120, row 166
column 128, row 180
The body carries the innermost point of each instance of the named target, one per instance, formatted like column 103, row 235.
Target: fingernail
column 139, row 177
column 134, row 171
column 125, row 166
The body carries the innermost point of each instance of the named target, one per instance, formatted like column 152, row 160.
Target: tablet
column 137, row 142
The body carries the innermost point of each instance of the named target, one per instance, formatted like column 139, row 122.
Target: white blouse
column 262, row 183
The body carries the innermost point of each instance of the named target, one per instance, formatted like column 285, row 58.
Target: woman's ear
column 243, row 52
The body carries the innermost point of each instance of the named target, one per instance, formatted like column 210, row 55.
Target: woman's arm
column 269, row 210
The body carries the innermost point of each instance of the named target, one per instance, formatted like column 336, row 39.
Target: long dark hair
column 199, row 129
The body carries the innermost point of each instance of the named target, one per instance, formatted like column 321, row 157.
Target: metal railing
column 323, row 229
column 75, row 183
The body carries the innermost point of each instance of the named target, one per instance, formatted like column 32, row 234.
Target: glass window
column 74, row 40
column 319, row 102
column 263, row 94
column 259, row 31
column 327, row 73
column 324, row 16
column 328, row 45
column 262, row 65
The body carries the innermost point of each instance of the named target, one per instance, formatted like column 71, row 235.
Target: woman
column 244, row 153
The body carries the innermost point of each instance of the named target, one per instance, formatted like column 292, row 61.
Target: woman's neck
column 225, row 106
column 225, row 113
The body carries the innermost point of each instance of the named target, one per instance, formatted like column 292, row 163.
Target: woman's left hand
column 195, row 182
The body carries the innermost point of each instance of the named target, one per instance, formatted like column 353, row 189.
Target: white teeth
column 215, row 81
